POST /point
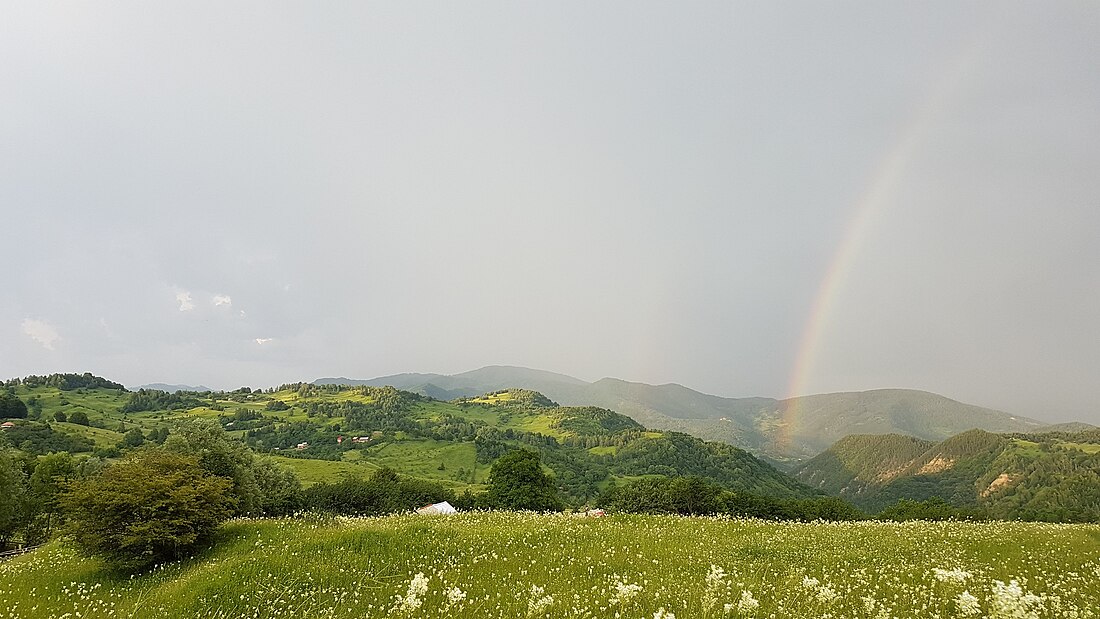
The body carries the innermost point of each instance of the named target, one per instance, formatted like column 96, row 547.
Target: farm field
column 511, row 565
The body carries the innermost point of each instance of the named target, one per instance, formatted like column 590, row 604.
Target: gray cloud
column 641, row 190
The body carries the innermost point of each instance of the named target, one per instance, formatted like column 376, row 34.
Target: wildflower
column 411, row 601
column 715, row 577
column 967, row 605
column 663, row 614
column 1010, row 602
column 538, row 603
column 454, row 595
column 713, row 581
column 623, row 591
column 747, row 603
column 956, row 575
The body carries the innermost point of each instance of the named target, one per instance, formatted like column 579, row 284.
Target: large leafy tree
column 13, row 482
column 153, row 507
column 221, row 455
column 12, row 407
column 517, row 481
column 50, row 476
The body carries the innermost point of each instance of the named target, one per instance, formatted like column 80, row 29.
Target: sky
column 749, row 199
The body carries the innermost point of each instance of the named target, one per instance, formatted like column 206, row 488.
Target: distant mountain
column 1043, row 475
column 782, row 431
column 174, row 388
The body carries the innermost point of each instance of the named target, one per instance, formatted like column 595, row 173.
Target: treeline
column 67, row 382
column 692, row 496
column 155, row 400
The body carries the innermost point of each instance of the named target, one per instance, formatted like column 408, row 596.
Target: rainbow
column 871, row 205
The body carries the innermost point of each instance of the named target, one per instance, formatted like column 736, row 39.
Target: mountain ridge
column 783, row 431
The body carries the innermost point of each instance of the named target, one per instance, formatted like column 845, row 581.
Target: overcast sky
column 748, row 199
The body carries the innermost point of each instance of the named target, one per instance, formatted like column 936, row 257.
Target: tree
column 154, row 507
column 12, row 407
column 132, row 438
column 60, row 417
column 12, row 494
column 517, row 481
column 79, row 418
column 258, row 488
column 51, row 473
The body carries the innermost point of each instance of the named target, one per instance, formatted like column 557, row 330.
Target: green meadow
column 508, row 565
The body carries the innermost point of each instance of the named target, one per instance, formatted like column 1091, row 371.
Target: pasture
column 510, row 565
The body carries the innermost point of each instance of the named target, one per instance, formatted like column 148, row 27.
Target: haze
column 749, row 199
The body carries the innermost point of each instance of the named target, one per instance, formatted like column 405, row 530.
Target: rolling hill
column 326, row 431
column 782, row 431
column 1046, row 476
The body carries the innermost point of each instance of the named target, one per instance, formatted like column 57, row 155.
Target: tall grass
column 524, row 565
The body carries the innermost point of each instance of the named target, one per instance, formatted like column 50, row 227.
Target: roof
column 437, row 508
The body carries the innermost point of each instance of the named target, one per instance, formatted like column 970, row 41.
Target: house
column 360, row 439
column 443, row 508
column 302, row 445
column 7, row 424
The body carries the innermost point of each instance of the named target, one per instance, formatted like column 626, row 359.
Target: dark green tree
column 12, row 407
column 51, row 473
column 517, row 481
column 79, row 418
column 132, row 438
column 154, row 507
column 60, row 417
column 13, row 487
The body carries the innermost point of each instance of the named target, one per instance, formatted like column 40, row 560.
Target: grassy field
column 520, row 565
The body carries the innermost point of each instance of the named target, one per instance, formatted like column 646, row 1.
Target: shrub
column 154, row 507
column 79, row 418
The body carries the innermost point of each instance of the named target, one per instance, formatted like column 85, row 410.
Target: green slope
column 323, row 432
column 1050, row 476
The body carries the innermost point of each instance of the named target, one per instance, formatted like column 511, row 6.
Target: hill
column 1051, row 475
column 174, row 388
column 781, row 431
column 322, row 432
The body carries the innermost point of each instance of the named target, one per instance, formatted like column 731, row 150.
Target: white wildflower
column 956, row 575
column 1010, row 602
column 715, row 577
column 747, row 603
column 454, row 595
column 663, row 614
column 967, row 605
column 623, row 591
column 412, row 599
column 538, row 602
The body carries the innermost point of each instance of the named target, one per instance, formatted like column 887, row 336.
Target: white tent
column 437, row 508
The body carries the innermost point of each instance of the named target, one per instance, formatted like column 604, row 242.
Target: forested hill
column 323, row 432
column 783, row 431
column 1047, row 476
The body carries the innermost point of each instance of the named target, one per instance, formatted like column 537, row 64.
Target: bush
column 383, row 493
column 79, row 418
column 154, row 507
